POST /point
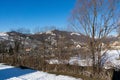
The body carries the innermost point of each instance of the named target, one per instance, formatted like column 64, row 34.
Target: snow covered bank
column 2, row 66
column 42, row 76
column 13, row 73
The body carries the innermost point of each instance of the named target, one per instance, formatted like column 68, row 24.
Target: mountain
column 48, row 40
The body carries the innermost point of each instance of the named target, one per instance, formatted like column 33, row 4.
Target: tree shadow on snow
column 14, row 72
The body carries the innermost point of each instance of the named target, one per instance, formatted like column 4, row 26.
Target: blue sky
column 30, row 14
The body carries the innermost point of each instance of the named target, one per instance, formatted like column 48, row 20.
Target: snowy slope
column 13, row 73
column 111, row 59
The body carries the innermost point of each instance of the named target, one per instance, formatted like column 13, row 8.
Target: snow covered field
column 13, row 73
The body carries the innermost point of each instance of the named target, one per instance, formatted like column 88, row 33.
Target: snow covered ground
column 13, row 73
column 110, row 59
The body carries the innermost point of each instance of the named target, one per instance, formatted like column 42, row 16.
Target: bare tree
column 95, row 19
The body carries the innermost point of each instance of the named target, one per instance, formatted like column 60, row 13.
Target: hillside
column 59, row 47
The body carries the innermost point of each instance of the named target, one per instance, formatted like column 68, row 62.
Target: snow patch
column 41, row 33
column 2, row 66
column 75, row 34
column 80, row 62
column 51, row 33
column 4, row 35
column 55, row 61
column 72, row 61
